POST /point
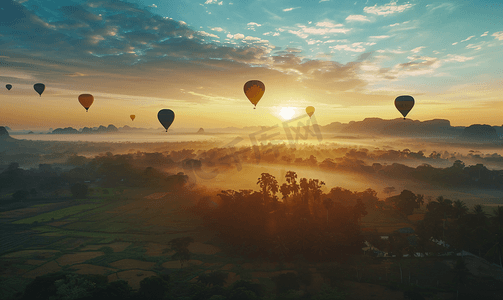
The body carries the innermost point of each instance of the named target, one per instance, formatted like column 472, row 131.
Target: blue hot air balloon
column 166, row 117
column 39, row 88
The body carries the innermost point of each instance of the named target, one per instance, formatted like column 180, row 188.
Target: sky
column 349, row 60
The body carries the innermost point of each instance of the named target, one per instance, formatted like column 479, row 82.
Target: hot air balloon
column 404, row 104
column 86, row 100
column 166, row 117
column 8, row 86
column 310, row 111
column 132, row 117
column 254, row 90
column 39, row 88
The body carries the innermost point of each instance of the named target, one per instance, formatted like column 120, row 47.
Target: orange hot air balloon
column 86, row 100
column 310, row 111
column 254, row 90
column 132, row 117
column 404, row 104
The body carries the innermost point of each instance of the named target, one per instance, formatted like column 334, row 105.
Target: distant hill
column 201, row 130
column 401, row 127
column 479, row 132
column 4, row 134
column 70, row 130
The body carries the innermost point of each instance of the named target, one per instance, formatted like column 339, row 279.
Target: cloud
column 418, row 49
column 387, row 9
column 468, row 38
column 299, row 33
column 354, row 47
column 252, row 25
column 153, row 6
column 475, row 46
column 485, row 33
column 204, row 33
column 328, row 24
column 498, row 35
column 213, row 2
column 237, row 36
column 326, row 28
column 394, row 51
column 457, row 58
column 360, row 18
column 290, row 9
column 448, row 6
column 379, row 36
column 454, row 43
column 219, row 29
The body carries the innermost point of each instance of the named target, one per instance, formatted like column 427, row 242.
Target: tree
column 407, row 201
column 79, row 190
column 180, row 246
column 291, row 178
column 153, row 288
column 496, row 250
column 286, row 282
column 216, row 278
column 268, row 184
column 497, row 217
column 328, row 203
column 359, row 210
column 388, row 190
column 460, row 208
column 20, row 195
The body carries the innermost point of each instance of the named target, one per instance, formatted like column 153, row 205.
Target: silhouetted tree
column 388, row 190
column 407, row 201
column 79, row 190
column 268, row 184
column 180, row 246
column 20, row 195
column 153, row 288
column 216, row 278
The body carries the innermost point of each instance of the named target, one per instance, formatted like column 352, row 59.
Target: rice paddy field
column 125, row 236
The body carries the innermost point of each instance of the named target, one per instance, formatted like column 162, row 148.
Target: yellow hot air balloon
column 404, row 104
column 254, row 90
column 132, row 117
column 310, row 111
column 86, row 100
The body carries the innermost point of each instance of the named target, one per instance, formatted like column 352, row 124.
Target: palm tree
column 291, row 178
column 304, row 190
column 480, row 215
column 497, row 246
column 497, row 217
column 268, row 184
column 460, row 208
column 328, row 203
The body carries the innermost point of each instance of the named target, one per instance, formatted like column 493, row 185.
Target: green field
column 58, row 214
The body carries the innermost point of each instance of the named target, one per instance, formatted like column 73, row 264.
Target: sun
column 287, row 112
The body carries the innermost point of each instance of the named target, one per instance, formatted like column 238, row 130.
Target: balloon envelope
column 404, row 104
column 166, row 117
column 254, row 90
column 132, row 117
column 86, row 100
column 310, row 111
column 39, row 88
column 8, row 86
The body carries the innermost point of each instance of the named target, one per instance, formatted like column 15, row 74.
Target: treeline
column 108, row 171
column 463, row 229
column 305, row 223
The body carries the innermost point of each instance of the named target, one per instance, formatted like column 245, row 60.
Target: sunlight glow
column 287, row 112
